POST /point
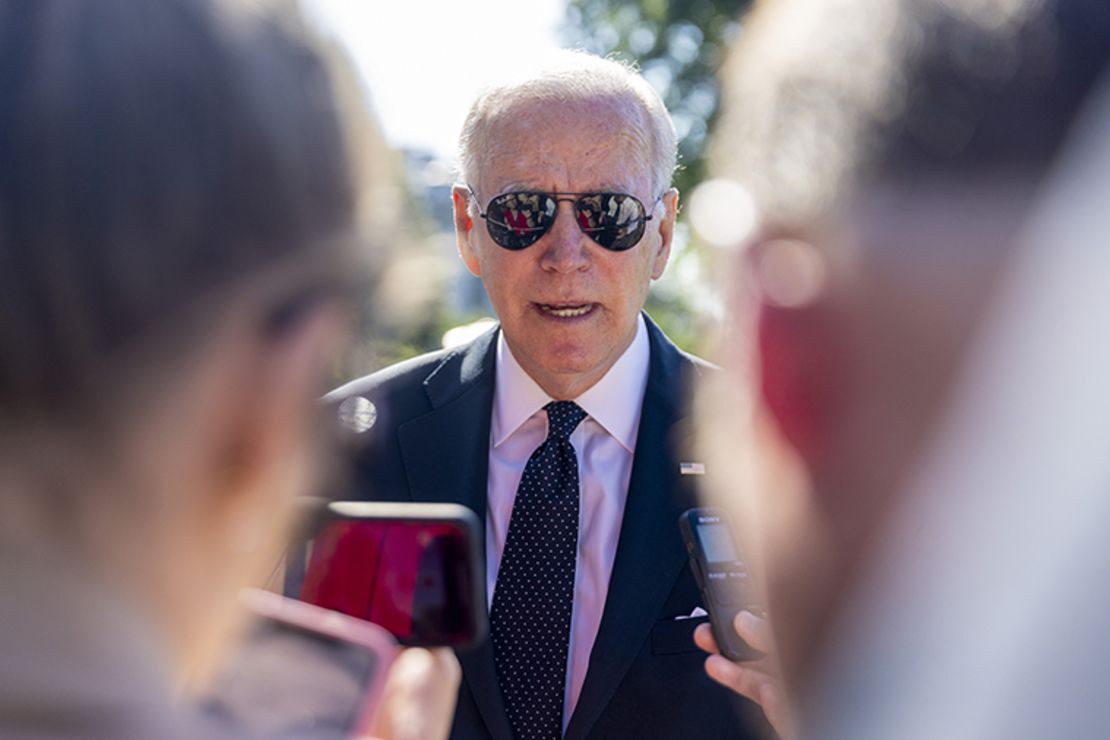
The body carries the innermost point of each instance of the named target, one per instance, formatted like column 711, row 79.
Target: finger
column 756, row 685
column 703, row 638
column 741, row 679
column 446, row 667
column 753, row 631
column 419, row 697
column 773, row 702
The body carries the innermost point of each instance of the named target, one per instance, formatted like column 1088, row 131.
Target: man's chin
column 565, row 365
column 565, row 368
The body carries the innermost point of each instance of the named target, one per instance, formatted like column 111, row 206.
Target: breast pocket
column 674, row 636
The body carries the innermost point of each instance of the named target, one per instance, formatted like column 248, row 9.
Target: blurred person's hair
column 154, row 156
column 893, row 149
column 571, row 76
column 832, row 97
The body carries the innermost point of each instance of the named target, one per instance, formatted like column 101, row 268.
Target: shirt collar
column 614, row 402
column 515, row 397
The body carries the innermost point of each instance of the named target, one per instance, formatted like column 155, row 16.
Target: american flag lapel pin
column 691, row 468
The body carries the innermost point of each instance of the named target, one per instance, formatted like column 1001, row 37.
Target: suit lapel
column 650, row 555
column 446, row 457
column 446, row 451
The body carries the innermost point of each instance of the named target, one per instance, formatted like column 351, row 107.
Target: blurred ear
column 667, row 212
column 465, row 233
column 800, row 346
column 245, row 445
column 264, row 447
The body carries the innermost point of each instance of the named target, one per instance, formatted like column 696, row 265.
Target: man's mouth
column 565, row 310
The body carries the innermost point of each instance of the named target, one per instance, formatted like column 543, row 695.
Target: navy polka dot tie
column 534, row 594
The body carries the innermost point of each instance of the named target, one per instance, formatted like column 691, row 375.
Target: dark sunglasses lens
column 519, row 220
column 613, row 220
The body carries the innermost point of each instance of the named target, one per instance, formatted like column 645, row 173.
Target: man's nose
column 565, row 247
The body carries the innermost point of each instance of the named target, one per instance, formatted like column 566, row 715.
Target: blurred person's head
column 892, row 148
column 568, row 301
column 174, row 199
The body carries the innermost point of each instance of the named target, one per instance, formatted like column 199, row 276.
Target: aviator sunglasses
column 517, row 220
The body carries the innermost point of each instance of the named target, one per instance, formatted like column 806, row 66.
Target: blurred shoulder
column 672, row 359
column 391, row 379
column 699, row 365
column 415, row 385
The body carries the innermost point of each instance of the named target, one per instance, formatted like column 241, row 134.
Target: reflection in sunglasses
column 615, row 221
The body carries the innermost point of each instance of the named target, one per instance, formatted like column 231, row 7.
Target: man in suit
column 562, row 427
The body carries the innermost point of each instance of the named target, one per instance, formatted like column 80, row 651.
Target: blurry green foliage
column 679, row 45
column 677, row 320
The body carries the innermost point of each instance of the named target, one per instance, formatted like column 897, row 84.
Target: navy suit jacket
column 645, row 678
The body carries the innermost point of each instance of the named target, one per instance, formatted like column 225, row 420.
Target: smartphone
column 415, row 569
column 722, row 577
column 301, row 672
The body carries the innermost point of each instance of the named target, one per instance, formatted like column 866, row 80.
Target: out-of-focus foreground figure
column 174, row 205
column 916, row 347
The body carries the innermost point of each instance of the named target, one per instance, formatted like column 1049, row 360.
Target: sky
column 423, row 61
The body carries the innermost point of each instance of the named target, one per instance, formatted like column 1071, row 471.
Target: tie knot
column 562, row 418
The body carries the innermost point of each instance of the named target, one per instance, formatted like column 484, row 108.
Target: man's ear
column 465, row 233
column 669, row 212
column 800, row 347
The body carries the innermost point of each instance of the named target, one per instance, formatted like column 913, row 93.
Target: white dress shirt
column 604, row 443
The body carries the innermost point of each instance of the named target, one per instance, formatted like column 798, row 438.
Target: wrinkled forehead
column 599, row 143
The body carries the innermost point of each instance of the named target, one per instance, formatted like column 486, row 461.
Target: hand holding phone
column 415, row 569
column 758, row 680
column 722, row 577
column 419, row 698
column 301, row 673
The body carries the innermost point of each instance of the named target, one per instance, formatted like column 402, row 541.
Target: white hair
column 573, row 75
